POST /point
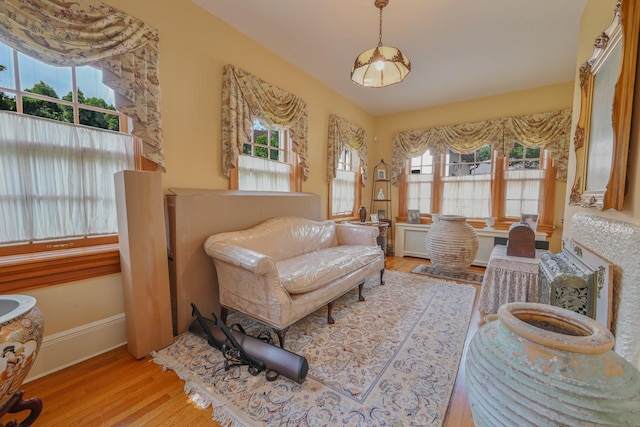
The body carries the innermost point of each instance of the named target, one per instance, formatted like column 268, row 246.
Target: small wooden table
column 383, row 228
column 509, row 279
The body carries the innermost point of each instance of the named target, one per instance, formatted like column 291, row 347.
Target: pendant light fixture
column 381, row 66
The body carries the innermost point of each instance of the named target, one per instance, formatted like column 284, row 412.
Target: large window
column 420, row 183
column 480, row 184
column 345, row 191
column 263, row 165
column 67, row 94
column 61, row 141
column 466, row 184
column 524, row 180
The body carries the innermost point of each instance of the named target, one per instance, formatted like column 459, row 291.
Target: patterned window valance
column 245, row 97
column 549, row 130
column 344, row 134
column 86, row 32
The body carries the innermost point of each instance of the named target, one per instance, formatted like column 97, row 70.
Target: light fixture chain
column 380, row 34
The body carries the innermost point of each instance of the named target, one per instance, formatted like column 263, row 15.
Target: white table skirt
column 509, row 279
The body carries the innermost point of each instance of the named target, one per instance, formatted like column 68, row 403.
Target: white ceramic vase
column 452, row 244
column 490, row 220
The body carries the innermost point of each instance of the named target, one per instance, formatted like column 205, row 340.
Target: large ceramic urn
column 542, row 365
column 21, row 329
column 452, row 244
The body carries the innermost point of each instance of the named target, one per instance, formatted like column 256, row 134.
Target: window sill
column 34, row 270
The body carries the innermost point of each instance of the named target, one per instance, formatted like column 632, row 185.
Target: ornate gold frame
column 599, row 138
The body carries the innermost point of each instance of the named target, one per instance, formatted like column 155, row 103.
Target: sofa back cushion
column 283, row 237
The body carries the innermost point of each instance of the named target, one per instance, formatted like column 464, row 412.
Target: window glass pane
column 524, row 158
column 89, row 81
column 46, row 109
column 532, row 153
column 422, row 164
column 99, row 119
column 56, row 80
column 420, row 183
column 260, row 136
column 476, row 163
column 7, row 100
column 6, row 61
column 276, row 155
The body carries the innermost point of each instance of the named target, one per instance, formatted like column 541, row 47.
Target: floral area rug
column 467, row 276
column 391, row 360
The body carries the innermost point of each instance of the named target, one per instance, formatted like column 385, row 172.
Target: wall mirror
column 601, row 138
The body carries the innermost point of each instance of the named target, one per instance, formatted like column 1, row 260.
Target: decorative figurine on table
column 362, row 214
column 380, row 194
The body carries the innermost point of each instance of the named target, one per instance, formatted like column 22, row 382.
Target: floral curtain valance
column 344, row 134
column 550, row 130
column 86, row 32
column 245, row 97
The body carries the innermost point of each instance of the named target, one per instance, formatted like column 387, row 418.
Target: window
column 467, row 183
column 420, row 183
column 264, row 163
column 67, row 94
column 56, row 178
column 344, row 189
column 524, row 179
column 479, row 185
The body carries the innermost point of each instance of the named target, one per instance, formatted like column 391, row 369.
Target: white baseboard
column 67, row 348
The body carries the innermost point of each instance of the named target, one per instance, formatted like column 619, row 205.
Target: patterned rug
column 390, row 360
column 467, row 276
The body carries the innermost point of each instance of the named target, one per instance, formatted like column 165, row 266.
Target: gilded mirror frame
column 601, row 139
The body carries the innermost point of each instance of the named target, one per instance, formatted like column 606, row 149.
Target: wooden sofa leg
column 381, row 273
column 281, row 333
column 360, row 297
column 224, row 312
column 329, row 317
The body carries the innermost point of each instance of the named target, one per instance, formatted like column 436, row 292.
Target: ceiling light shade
column 381, row 66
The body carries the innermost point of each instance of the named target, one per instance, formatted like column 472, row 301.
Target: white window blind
column 258, row 174
column 419, row 189
column 56, row 179
column 343, row 195
column 523, row 191
column 467, row 195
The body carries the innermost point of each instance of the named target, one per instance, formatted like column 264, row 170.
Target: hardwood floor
column 115, row 389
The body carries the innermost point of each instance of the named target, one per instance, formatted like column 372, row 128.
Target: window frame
column 34, row 265
column 498, row 185
column 354, row 166
column 295, row 170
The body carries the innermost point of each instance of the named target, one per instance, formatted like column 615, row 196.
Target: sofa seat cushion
column 314, row 270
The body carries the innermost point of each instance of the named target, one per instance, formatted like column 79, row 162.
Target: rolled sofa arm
column 354, row 234
column 238, row 256
column 248, row 281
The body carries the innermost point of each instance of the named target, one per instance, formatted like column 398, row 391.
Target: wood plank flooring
column 115, row 389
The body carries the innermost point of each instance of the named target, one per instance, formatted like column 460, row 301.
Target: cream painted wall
column 194, row 48
column 70, row 305
column 597, row 16
column 547, row 98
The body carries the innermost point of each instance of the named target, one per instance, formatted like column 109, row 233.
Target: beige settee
column 285, row 268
